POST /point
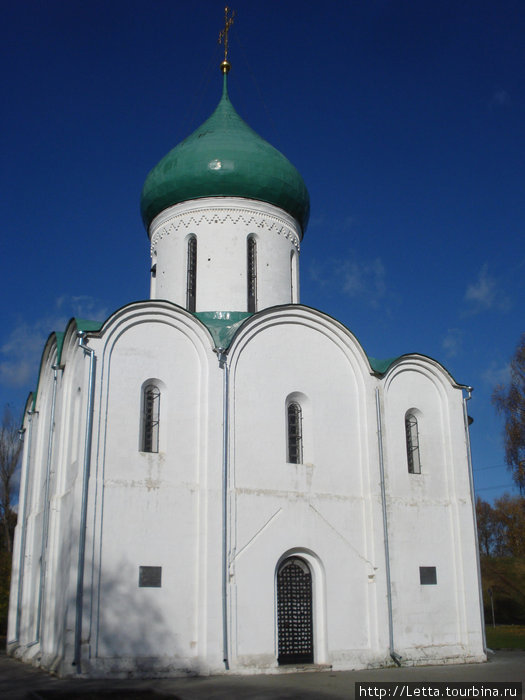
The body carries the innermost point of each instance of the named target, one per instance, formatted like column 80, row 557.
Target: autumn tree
column 486, row 526
column 501, row 527
column 510, row 402
column 501, row 530
column 10, row 449
column 510, row 522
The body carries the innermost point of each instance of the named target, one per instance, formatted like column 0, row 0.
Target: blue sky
column 406, row 120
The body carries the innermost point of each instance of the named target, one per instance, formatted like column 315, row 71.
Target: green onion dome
column 225, row 157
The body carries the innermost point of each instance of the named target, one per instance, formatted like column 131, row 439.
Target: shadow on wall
column 125, row 628
column 130, row 619
column 130, row 631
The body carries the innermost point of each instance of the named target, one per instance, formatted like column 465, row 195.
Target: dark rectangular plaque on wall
column 150, row 576
column 427, row 575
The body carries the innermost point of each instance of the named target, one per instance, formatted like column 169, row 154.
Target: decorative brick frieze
column 221, row 216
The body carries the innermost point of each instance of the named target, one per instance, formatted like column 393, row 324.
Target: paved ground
column 19, row 681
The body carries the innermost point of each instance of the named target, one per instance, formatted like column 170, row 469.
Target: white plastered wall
column 165, row 509
column 49, row 458
column 222, row 226
column 66, row 499
column 430, row 518
column 326, row 510
column 149, row 509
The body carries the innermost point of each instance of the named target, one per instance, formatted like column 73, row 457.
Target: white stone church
column 219, row 479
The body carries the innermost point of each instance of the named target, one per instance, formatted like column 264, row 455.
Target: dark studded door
column 294, row 612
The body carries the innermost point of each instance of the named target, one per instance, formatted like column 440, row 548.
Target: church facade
column 220, row 479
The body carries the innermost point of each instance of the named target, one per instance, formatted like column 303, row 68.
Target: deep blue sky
column 406, row 120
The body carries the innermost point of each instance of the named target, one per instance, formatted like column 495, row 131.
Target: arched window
column 153, row 281
column 292, row 277
column 412, row 439
column 294, row 417
column 150, row 418
column 251, row 273
column 191, row 274
column 295, row 612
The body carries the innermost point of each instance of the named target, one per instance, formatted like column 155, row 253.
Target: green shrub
column 504, row 576
column 5, row 580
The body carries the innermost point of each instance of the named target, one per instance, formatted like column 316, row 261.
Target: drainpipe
column 221, row 355
column 393, row 654
column 83, row 509
column 45, row 524
column 469, row 391
column 23, row 522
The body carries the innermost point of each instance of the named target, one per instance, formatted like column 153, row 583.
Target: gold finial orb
column 225, row 66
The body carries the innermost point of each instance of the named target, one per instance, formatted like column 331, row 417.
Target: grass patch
column 506, row 637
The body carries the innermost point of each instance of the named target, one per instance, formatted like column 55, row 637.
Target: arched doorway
column 294, row 612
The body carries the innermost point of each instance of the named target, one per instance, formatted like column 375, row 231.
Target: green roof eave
column 87, row 326
column 381, row 366
column 83, row 325
column 59, row 341
column 222, row 325
column 60, row 344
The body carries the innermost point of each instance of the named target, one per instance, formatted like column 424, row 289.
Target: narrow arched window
column 251, row 270
column 412, row 439
column 191, row 274
column 295, row 433
column 150, row 418
column 292, row 275
column 153, row 281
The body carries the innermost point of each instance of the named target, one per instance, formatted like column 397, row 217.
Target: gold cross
column 223, row 35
